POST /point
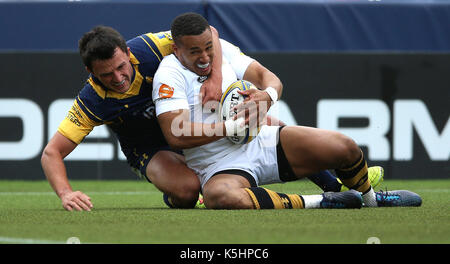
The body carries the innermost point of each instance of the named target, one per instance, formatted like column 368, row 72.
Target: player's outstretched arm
column 55, row 171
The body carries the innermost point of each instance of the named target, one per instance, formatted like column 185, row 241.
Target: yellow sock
column 356, row 176
column 266, row 199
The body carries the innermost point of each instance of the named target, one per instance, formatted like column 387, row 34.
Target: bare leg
column 169, row 173
column 310, row 150
column 227, row 191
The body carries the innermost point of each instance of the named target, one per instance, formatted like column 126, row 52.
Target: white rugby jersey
column 175, row 87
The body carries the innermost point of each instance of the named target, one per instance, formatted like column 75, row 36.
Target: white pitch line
column 89, row 193
column 432, row 190
column 153, row 192
column 15, row 240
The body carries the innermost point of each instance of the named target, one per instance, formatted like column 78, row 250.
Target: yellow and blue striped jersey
column 130, row 115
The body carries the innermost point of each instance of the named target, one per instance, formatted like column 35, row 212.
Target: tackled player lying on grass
column 230, row 174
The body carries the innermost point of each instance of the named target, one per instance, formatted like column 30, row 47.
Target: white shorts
column 258, row 158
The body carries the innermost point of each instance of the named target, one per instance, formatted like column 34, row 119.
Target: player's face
column 196, row 52
column 114, row 73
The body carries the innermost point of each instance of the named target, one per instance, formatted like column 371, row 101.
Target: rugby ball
column 230, row 99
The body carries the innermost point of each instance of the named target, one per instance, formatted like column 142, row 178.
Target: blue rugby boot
column 397, row 198
column 341, row 200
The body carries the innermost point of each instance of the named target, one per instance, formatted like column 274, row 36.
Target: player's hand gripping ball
column 230, row 99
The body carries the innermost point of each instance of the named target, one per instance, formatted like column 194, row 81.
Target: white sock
column 312, row 201
column 369, row 199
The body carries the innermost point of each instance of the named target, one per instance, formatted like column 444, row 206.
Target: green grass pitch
column 133, row 212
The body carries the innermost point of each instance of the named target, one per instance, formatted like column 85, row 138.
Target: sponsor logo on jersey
column 165, row 91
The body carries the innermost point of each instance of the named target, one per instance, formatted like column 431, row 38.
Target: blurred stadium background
column 377, row 70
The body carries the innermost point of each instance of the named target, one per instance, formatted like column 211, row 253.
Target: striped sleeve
column 76, row 125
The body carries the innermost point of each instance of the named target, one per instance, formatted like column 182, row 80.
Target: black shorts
column 284, row 168
column 138, row 158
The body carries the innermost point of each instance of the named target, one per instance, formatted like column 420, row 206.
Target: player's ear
column 175, row 49
column 88, row 70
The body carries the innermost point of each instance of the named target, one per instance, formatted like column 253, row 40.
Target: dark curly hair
column 99, row 44
column 188, row 24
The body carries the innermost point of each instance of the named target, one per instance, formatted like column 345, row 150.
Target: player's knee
column 183, row 203
column 350, row 151
column 222, row 197
column 214, row 197
column 185, row 196
column 186, row 199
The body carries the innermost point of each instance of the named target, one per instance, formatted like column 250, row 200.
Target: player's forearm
column 188, row 135
column 269, row 79
column 216, row 72
column 211, row 89
column 55, row 172
column 263, row 78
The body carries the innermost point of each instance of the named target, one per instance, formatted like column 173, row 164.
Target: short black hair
column 188, row 24
column 99, row 44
